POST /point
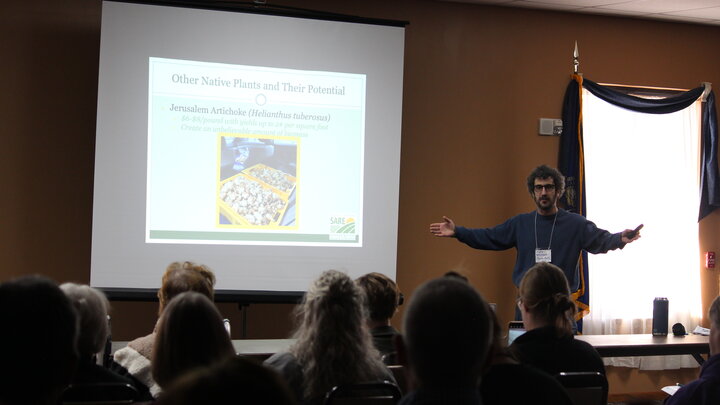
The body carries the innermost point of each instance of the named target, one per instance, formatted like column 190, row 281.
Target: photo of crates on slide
column 257, row 181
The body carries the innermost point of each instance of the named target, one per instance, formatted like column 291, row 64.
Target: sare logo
column 342, row 227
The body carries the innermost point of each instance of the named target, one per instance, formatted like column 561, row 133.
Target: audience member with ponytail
column 547, row 311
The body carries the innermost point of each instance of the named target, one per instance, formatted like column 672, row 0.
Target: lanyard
column 552, row 230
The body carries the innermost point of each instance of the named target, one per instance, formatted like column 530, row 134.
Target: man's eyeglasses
column 547, row 187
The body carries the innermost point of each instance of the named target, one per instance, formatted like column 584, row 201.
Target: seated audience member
column 504, row 375
column 447, row 334
column 235, row 380
column 382, row 299
column 37, row 340
column 547, row 313
column 91, row 307
column 706, row 389
column 135, row 358
column 332, row 344
column 190, row 334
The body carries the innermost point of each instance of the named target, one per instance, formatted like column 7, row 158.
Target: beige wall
column 477, row 79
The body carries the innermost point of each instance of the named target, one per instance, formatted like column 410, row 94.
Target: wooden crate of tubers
column 250, row 202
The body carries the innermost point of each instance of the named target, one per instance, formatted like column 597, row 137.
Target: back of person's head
column 235, row 380
column 383, row 295
column 91, row 307
column 545, row 293
column 190, row 334
column 714, row 315
column 447, row 333
column 544, row 172
column 185, row 276
column 333, row 344
column 459, row 276
column 38, row 341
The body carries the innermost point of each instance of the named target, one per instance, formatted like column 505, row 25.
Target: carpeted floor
column 637, row 398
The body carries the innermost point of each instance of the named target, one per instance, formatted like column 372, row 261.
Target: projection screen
column 266, row 147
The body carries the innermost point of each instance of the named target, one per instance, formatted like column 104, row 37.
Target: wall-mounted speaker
column 549, row 126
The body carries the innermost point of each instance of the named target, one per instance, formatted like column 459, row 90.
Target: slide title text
column 285, row 86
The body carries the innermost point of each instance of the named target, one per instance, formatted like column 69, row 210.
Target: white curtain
column 643, row 169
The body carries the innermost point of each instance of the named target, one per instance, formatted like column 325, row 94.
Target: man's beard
column 545, row 204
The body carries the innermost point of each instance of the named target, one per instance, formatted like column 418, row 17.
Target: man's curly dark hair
column 543, row 172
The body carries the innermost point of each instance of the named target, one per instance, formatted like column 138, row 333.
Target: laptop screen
column 515, row 329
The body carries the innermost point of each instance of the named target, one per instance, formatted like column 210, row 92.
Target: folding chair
column 375, row 393
column 99, row 394
column 586, row 387
column 401, row 380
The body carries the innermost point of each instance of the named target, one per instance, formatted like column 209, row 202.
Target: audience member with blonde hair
column 503, row 372
column 332, row 343
column 547, row 312
column 382, row 299
column 91, row 307
column 135, row 358
column 706, row 389
column 190, row 334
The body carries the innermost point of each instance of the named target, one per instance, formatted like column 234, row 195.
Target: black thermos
column 660, row 317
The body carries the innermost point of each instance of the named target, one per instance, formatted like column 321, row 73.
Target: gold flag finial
column 576, row 59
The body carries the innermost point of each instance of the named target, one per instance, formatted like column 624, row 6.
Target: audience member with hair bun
column 383, row 298
column 547, row 312
column 332, row 343
column 134, row 360
column 190, row 335
column 91, row 307
column 503, row 372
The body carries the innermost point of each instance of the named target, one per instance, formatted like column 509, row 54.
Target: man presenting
column 547, row 234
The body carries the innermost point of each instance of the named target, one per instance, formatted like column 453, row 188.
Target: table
column 649, row 345
column 606, row 345
column 260, row 348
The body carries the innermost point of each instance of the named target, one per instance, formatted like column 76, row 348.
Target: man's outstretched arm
column 443, row 229
column 630, row 235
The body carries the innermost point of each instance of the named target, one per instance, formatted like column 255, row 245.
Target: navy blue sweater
column 573, row 233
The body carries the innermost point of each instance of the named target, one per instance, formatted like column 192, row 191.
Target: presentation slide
column 264, row 146
column 264, row 155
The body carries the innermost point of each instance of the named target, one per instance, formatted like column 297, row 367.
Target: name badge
column 543, row 255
